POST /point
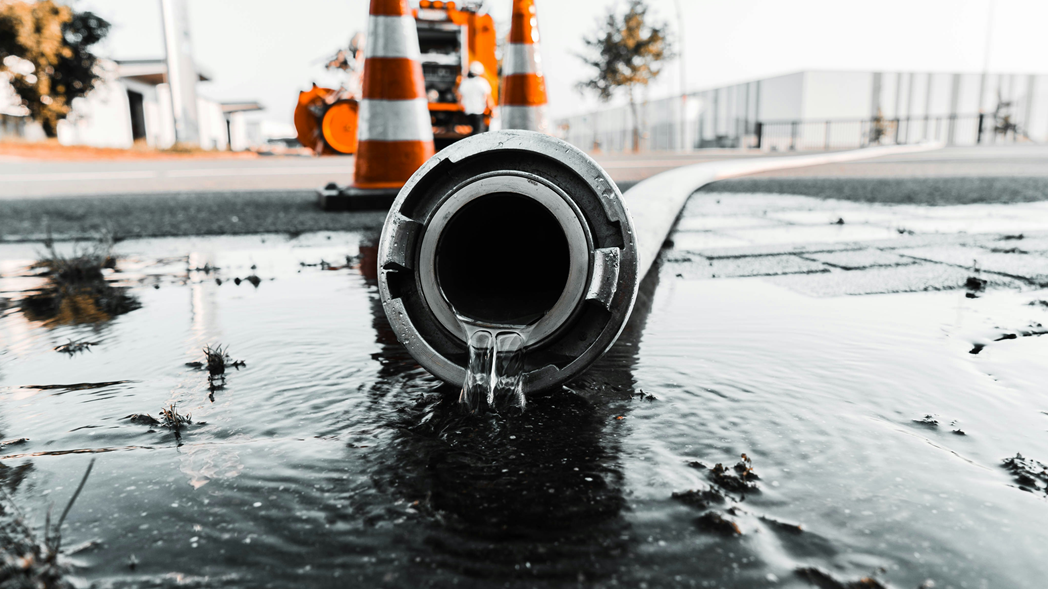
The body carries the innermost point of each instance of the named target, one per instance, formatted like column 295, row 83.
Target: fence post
column 793, row 135
column 979, row 134
column 898, row 123
column 826, row 147
column 759, row 132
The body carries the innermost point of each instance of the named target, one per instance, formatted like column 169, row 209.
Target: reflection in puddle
column 333, row 459
column 76, row 289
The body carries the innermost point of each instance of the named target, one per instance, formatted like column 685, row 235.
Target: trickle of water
column 495, row 370
column 479, row 369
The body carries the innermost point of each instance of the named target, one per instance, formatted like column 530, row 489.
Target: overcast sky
column 268, row 50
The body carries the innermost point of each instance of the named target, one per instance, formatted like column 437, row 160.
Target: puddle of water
column 333, row 459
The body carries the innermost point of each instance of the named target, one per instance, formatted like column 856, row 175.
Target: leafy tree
column 627, row 50
column 44, row 53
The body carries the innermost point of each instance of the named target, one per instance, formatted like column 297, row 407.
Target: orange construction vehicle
column 450, row 39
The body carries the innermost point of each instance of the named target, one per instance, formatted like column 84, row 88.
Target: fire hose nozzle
column 506, row 229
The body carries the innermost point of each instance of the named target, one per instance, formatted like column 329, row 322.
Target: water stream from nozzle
column 495, row 370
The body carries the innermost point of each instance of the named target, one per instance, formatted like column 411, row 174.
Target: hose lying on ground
column 513, row 227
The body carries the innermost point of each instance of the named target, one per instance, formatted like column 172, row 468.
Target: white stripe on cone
column 392, row 36
column 522, row 58
column 529, row 118
column 394, row 120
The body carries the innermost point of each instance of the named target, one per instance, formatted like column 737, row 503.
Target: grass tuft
column 24, row 560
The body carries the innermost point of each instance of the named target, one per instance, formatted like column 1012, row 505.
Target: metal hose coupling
column 505, row 229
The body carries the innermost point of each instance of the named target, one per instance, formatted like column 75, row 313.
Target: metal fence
column 616, row 133
column 973, row 129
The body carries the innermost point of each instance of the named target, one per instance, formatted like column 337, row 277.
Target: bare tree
column 627, row 51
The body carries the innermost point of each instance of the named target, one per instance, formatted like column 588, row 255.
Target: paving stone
column 974, row 224
column 812, row 234
column 855, row 260
column 700, row 240
column 777, row 249
column 1033, row 267
column 699, row 268
column 1030, row 242
column 872, row 215
column 894, row 279
column 709, row 223
column 757, row 204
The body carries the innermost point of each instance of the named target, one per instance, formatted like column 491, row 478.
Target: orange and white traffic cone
column 523, row 85
column 395, row 136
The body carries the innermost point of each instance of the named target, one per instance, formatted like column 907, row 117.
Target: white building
column 827, row 109
column 132, row 103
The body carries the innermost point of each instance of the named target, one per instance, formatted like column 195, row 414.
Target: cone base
column 353, row 198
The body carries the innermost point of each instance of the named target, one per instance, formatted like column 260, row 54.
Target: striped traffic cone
column 395, row 136
column 523, row 85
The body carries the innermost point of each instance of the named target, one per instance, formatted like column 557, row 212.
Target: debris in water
column 839, row 221
column 699, row 499
column 1011, row 237
column 143, row 419
column 959, row 432
column 1008, row 250
column 738, row 479
column 976, row 348
column 823, row 580
column 80, row 386
column 1038, row 303
column 75, row 347
column 254, row 280
column 783, row 526
column 1030, row 474
column 928, row 420
column 206, row 269
column 218, row 360
column 974, row 283
column 640, row 394
column 715, row 522
column 172, row 419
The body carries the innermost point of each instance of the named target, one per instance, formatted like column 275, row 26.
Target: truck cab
column 450, row 39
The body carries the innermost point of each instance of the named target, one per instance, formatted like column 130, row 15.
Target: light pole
column 683, row 113
column 181, row 72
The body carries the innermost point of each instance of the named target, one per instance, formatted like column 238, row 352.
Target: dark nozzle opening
column 503, row 258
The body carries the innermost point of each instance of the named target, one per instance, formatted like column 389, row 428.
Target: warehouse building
column 830, row 110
